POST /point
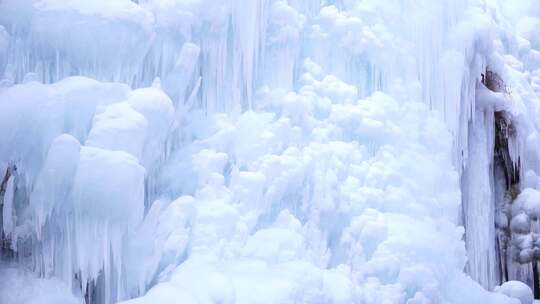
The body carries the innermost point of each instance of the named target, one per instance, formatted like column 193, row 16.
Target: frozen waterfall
column 269, row 151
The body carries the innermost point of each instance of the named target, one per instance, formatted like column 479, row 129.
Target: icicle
column 8, row 209
column 179, row 79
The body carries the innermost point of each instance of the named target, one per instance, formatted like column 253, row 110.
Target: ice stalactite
column 486, row 197
column 477, row 199
column 78, row 214
column 505, row 176
column 500, row 215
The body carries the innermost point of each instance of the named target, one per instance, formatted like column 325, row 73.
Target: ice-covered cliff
column 269, row 151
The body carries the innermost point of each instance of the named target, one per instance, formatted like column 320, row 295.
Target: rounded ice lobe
column 517, row 290
column 155, row 105
column 119, row 128
column 54, row 182
column 528, row 201
column 529, row 28
column 520, row 224
column 158, row 112
column 101, row 182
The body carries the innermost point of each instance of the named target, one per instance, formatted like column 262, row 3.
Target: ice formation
column 31, row 289
column 270, row 151
column 518, row 290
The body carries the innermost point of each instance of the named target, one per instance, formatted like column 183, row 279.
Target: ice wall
column 71, row 208
column 264, row 151
column 504, row 104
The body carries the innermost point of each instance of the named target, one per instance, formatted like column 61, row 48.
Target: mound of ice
column 119, row 128
column 158, row 111
column 50, row 196
column 78, row 210
column 306, row 202
column 525, row 213
column 517, row 290
column 99, row 182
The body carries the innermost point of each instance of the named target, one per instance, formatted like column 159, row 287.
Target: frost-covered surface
column 268, row 151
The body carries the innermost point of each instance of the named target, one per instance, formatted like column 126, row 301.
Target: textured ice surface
column 25, row 287
column 518, row 290
column 265, row 151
